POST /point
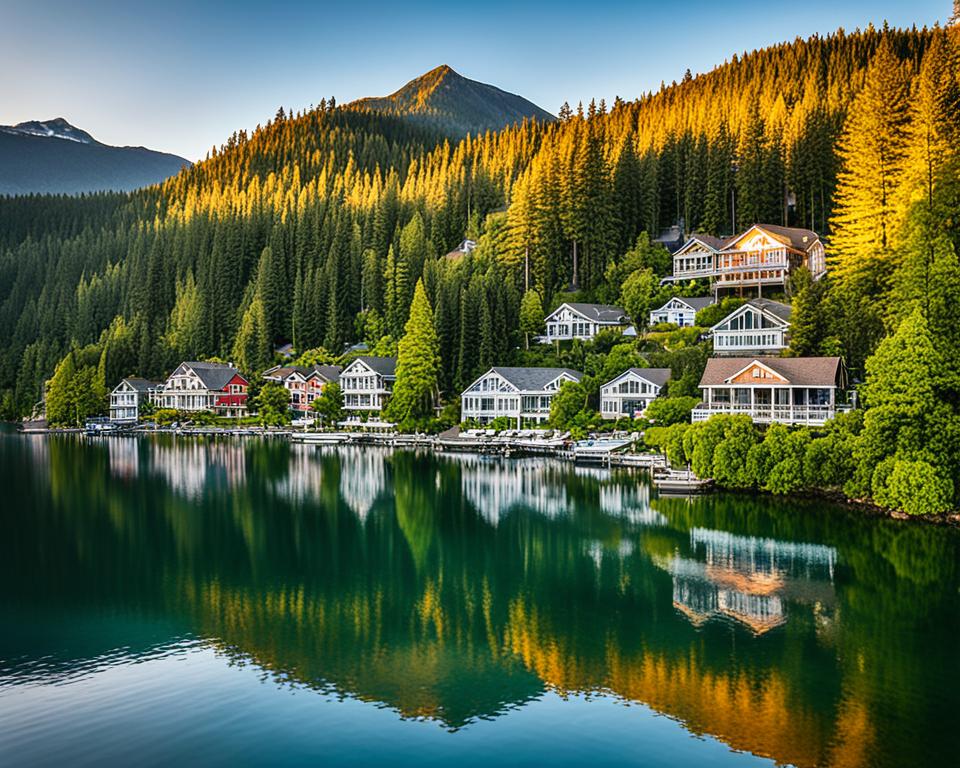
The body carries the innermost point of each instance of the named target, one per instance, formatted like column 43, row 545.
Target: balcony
column 814, row 415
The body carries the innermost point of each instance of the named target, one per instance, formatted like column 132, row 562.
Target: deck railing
column 784, row 414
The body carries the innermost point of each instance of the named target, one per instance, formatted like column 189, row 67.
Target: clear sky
column 181, row 75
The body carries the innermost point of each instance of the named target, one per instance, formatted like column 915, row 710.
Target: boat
column 320, row 438
column 680, row 482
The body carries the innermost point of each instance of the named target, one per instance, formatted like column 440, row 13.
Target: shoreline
column 495, row 448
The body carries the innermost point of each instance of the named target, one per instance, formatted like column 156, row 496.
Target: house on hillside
column 759, row 327
column 197, row 386
column 680, row 310
column 766, row 255
column 763, row 255
column 305, row 383
column 128, row 396
column 789, row 390
column 629, row 394
column 367, row 384
column 465, row 247
column 582, row 321
column 523, row 394
column 696, row 259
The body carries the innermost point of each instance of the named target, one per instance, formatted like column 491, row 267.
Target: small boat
column 320, row 438
column 681, row 483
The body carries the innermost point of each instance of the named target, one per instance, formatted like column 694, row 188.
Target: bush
column 916, row 487
column 665, row 411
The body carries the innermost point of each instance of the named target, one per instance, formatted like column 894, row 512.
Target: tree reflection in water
column 456, row 588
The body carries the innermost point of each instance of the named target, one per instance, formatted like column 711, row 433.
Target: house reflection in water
column 748, row 579
column 363, row 477
column 496, row 487
column 192, row 468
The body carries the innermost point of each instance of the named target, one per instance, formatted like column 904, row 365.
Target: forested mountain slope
column 316, row 227
column 56, row 157
column 455, row 105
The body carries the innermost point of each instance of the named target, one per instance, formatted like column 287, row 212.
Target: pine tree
column 872, row 150
column 418, row 365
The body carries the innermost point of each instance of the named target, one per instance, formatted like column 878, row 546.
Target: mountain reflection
column 457, row 588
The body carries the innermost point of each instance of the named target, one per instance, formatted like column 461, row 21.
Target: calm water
column 169, row 601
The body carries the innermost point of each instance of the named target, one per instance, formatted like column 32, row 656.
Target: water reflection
column 459, row 588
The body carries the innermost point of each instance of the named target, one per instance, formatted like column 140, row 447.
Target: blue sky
column 181, row 76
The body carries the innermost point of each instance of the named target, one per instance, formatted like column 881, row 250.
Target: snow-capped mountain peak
column 58, row 128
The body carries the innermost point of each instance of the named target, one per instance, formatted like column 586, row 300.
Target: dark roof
column 775, row 308
column 696, row 302
column 282, row 371
column 534, row 379
column 601, row 313
column 385, row 366
column 142, row 385
column 328, row 372
column 802, row 371
column 801, row 239
column 710, row 241
column 213, row 375
column 658, row 376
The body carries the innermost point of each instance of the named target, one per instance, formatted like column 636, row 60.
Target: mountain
column 53, row 156
column 446, row 100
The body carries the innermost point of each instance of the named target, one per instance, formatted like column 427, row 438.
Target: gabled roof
column 799, row 371
column 709, row 241
column 141, row 385
column 598, row 313
column 385, row 366
column 776, row 310
column 798, row 239
column 326, row 372
column 696, row 303
column 213, row 375
column 657, row 376
column 281, row 371
column 534, row 379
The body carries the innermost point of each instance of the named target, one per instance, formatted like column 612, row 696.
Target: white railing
column 784, row 414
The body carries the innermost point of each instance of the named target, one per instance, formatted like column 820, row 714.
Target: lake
column 233, row 602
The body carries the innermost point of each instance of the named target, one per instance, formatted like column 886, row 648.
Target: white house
column 680, row 310
column 631, row 392
column 198, row 386
column 367, row 384
column 523, row 394
column 582, row 321
column 760, row 326
column 128, row 396
column 789, row 390
column 696, row 258
column 304, row 383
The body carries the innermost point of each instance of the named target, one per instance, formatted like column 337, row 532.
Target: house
column 305, row 383
column 465, row 247
column 789, row 390
column 680, row 310
column 128, row 396
column 696, row 258
column 631, row 392
column 367, row 383
column 582, row 321
column 763, row 255
column 197, row 386
column 524, row 394
column 759, row 327
column 766, row 254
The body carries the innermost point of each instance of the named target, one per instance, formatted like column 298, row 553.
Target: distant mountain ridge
column 55, row 157
column 446, row 100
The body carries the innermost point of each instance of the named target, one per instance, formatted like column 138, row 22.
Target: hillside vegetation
column 316, row 227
